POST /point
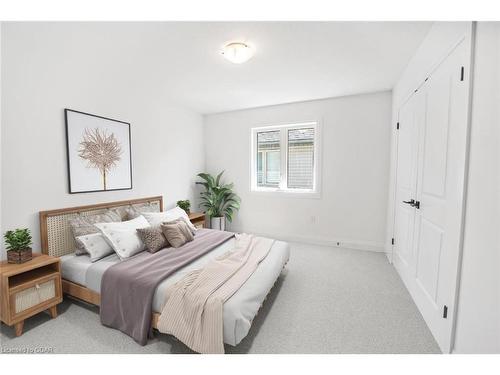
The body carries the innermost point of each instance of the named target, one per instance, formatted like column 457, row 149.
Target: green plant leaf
column 18, row 239
column 217, row 180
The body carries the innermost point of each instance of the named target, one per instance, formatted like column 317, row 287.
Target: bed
column 82, row 278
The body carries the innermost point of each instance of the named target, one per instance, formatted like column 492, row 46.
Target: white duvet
column 239, row 310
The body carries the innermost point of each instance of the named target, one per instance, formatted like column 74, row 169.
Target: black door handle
column 413, row 203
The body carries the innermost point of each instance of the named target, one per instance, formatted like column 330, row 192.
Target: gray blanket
column 127, row 288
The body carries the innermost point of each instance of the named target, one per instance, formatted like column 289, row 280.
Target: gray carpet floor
column 327, row 300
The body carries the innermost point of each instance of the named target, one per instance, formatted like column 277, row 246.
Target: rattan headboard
column 55, row 232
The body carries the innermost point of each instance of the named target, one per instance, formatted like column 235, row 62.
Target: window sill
column 287, row 193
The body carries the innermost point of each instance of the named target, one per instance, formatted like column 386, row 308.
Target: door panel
column 406, row 186
column 432, row 147
column 404, row 235
column 427, row 267
column 436, row 136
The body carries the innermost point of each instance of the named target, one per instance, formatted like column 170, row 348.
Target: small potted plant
column 18, row 245
column 185, row 205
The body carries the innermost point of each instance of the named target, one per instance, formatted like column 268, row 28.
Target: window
column 268, row 159
column 285, row 158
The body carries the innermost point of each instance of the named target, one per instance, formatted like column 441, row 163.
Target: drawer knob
column 37, row 286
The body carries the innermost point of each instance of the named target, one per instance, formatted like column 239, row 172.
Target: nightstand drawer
column 198, row 219
column 199, row 225
column 37, row 294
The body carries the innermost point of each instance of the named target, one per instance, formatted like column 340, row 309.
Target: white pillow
column 95, row 245
column 122, row 236
column 156, row 218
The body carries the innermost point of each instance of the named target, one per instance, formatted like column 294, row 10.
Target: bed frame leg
column 53, row 312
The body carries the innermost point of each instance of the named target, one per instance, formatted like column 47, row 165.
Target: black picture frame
column 67, row 125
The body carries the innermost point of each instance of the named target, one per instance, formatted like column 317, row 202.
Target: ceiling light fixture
column 237, row 52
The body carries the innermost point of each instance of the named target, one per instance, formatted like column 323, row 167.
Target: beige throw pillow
column 177, row 232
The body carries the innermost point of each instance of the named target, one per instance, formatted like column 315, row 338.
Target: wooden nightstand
column 198, row 219
column 29, row 288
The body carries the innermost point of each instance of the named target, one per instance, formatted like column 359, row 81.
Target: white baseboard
column 348, row 244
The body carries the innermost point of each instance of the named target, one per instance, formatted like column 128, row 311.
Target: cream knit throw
column 193, row 310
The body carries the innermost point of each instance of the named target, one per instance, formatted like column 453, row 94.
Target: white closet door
column 440, row 182
column 431, row 171
column 409, row 119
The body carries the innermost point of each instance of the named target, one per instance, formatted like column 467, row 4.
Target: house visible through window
column 301, row 158
column 284, row 158
column 268, row 158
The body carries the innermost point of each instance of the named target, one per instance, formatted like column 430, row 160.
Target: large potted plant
column 219, row 200
column 18, row 245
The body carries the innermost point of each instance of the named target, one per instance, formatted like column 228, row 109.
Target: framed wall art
column 99, row 153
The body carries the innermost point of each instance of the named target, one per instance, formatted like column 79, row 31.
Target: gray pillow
column 177, row 232
column 136, row 211
column 153, row 238
column 84, row 225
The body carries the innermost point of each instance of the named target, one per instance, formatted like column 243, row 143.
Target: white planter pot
column 218, row 223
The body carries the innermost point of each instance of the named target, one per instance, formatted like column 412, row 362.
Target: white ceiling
column 294, row 61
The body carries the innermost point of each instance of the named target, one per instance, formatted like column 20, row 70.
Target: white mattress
column 239, row 310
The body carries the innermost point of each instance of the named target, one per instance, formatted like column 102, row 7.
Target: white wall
column 478, row 317
column 47, row 67
column 355, row 159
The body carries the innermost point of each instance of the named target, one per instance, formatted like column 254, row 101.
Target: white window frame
column 283, row 189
